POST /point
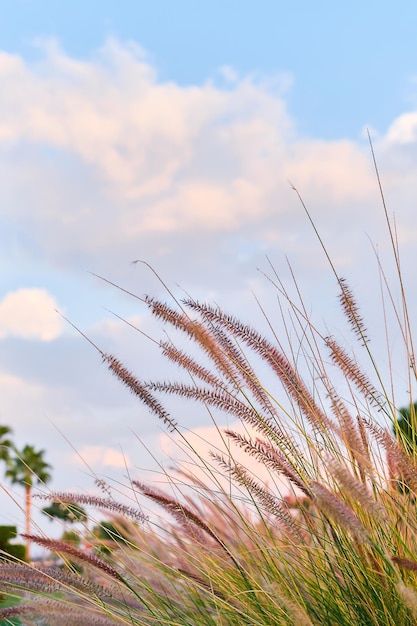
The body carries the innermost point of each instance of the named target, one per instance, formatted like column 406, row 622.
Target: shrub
column 7, row 549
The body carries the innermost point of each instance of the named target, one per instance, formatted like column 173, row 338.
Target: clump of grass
column 329, row 538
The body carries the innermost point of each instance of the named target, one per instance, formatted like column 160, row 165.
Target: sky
column 172, row 133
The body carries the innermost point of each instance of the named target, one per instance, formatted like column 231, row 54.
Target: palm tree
column 26, row 468
column 5, row 443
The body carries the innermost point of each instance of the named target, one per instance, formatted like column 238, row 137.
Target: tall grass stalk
column 329, row 537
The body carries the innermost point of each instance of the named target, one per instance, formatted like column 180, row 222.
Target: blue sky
column 169, row 132
column 352, row 63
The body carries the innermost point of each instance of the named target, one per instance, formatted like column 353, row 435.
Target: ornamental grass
column 324, row 535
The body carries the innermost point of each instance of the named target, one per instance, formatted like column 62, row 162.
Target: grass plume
column 304, row 514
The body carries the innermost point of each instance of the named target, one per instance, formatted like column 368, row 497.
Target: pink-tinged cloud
column 101, row 457
column 30, row 313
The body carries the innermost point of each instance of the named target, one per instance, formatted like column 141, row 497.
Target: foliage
column 7, row 549
column 66, row 511
column 28, row 467
column 5, row 443
column 309, row 529
column 405, row 427
column 71, row 537
column 111, row 535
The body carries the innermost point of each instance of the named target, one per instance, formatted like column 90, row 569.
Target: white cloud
column 100, row 457
column 31, row 314
column 19, row 393
column 116, row 328
column 404, row 129
column 137, row 163
column 338, row 168
column 104, row 163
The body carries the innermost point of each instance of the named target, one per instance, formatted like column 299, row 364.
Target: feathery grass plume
column 409, row 596
column 356, row 491
column 365, row 447
column 190, row 365
column 405, row 563
column 218, row 398
column 56, row 545
column 272, row 458
column 401, row 464
column 138, row 389
column 14, row 611
column 196, row 331
column 279, row 363
column 161, row 310
column 53, row 612
column 47, row 580
column 191, row 521
column 297, row 614
column 249, row 377
column 351, row 310
column 262, row 496
column 334, row 508
column 104, row 487
column 353, row 372
column 224, row 400
column 106, row 504
column 350, row 433
column 182, row 513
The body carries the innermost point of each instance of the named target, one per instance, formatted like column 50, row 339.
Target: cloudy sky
column 170, row 132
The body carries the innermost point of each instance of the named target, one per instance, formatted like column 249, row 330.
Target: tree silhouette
column 405, row 428
column 405, row 431
column 16, row 551
column 108, row 536
column 27, row 468
column 65, row 511
column 5, row 443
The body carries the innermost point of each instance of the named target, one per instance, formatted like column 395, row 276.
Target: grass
column 317, row 527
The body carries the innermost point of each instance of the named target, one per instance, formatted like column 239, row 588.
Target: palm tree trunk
column 27, row 518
